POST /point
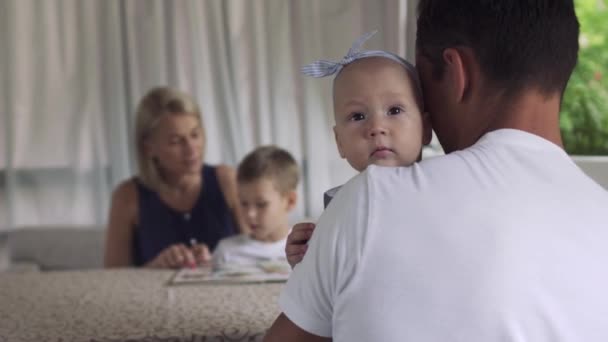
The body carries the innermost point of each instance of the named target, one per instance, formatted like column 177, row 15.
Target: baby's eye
column 395, row 111
column 357, row 117
column 261, row 205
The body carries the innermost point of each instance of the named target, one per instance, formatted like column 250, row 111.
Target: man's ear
column 338, row 142
column 457, row 72
column 427, row 130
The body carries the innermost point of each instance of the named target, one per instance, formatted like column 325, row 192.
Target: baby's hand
column 297, row 242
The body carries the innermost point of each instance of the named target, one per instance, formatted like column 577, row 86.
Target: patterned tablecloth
column 130, row 305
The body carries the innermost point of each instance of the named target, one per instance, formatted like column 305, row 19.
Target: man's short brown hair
column 518, row 44
column 270, row 162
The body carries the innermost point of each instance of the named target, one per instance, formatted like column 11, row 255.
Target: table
column 131, row 305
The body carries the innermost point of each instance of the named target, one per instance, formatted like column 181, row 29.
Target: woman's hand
column 177, row 256
column 297, row 242
column 201, row 253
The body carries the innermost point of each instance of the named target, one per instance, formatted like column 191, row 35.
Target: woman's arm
column 119, row 234
column 227, row 178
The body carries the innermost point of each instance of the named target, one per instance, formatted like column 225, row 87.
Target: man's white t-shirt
column 243, row 250
column 504, row 241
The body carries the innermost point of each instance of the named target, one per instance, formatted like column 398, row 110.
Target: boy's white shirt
column 244, row 250
column 504, row 241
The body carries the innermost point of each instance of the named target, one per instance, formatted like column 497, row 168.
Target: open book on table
column 262, row 272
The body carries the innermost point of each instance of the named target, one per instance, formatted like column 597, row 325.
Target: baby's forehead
column 376, row 65
column 369, row 67
column 373, row 64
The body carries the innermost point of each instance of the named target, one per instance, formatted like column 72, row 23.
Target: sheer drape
column 61, row 104
column 74, row 70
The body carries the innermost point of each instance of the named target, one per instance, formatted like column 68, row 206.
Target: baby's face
column 378, row 119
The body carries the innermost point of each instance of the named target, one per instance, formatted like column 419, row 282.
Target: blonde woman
column 177, row 208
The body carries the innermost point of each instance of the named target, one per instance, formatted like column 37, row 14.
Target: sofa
column 54, row 248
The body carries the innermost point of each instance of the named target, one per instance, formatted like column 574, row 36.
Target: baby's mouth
column 382, row 152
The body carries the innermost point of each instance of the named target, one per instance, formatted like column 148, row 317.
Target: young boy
column 267, row 180
column 379, row 116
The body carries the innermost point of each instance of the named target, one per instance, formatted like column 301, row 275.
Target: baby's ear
column 338, row 142
column 427, row 130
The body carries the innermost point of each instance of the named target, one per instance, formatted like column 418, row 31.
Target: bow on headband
column 323, row 68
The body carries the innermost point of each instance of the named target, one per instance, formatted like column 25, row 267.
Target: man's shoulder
column 427, row 174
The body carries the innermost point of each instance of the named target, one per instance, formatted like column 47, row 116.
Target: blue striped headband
column 324, row 68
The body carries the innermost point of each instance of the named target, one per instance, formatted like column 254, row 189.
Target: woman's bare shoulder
column 126, row 190
column 224, row 171
column 124, row 197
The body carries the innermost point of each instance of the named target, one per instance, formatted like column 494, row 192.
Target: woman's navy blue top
column 161, row 226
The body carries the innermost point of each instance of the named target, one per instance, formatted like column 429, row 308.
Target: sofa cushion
column 58, row 248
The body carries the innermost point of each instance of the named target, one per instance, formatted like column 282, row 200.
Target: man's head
column 378, row 113
column 490, row 50
column 267, row 180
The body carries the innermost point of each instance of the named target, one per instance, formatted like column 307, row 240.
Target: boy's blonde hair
column 270, row 162
column 157, row 103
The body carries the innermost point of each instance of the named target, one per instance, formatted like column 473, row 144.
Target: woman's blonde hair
column 157, row 103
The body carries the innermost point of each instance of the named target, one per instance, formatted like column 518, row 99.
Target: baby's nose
column 377, row 127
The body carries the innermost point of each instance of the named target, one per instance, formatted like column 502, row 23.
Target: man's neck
column 531, row 112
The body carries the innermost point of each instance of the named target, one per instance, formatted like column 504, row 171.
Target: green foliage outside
column 584, row 114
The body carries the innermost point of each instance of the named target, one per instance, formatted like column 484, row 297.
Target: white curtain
column 62, row 104
column 74, row 70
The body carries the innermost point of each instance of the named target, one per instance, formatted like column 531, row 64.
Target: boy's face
column 266, row 209
column 378, row 119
